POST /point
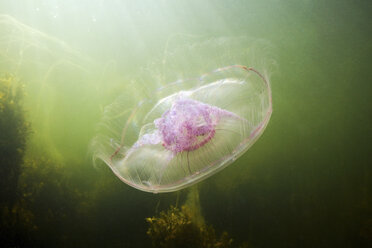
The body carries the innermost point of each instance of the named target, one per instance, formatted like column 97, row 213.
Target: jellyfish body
column 188, row 135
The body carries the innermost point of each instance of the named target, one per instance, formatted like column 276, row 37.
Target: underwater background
column 307, row 182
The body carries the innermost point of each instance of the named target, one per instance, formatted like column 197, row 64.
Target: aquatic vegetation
column 176, row 228
column 14, row 130
column 187, row 130
column 46, row 197
column 186, row 227
column 13, row 134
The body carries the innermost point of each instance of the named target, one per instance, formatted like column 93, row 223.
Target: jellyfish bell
column 186, row 131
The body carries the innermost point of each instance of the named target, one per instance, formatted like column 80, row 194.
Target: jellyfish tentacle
column 188, row 162
column 124, row 133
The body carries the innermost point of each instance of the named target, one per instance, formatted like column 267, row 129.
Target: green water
column 307, row 182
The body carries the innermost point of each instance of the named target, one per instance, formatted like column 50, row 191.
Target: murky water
column 305, row 183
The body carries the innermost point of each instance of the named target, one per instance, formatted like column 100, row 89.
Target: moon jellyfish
column 187, row 131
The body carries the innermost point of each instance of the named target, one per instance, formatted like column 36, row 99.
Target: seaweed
column 14, row 130
column 176, row 228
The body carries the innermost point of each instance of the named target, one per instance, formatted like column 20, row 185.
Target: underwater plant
column 14, row 130
column 47, row 204
column 176, row 228
column 13, row 134
column 33, row 188
column 186, row 227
